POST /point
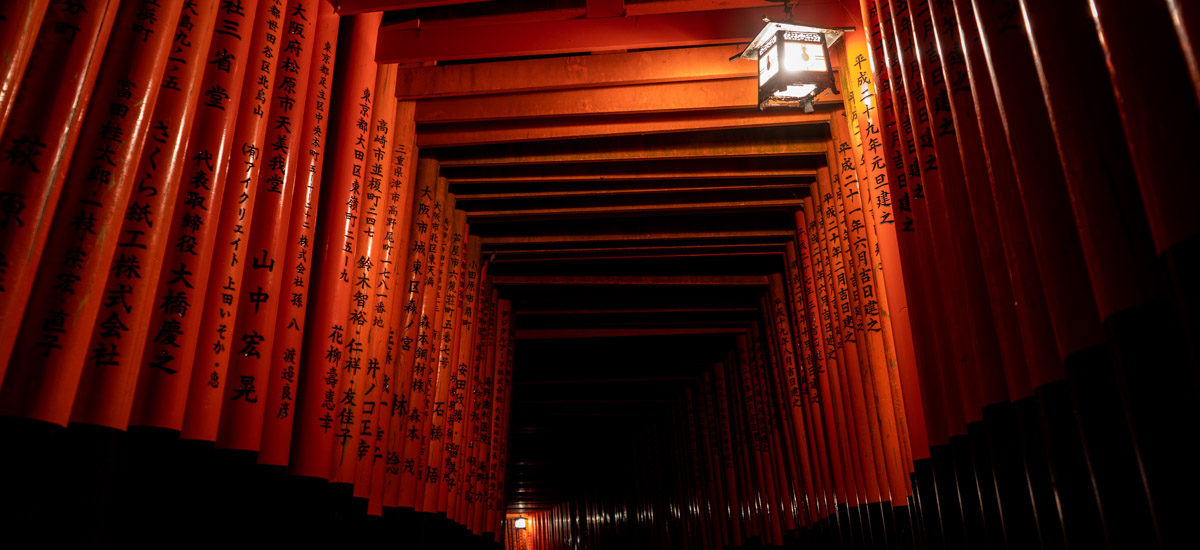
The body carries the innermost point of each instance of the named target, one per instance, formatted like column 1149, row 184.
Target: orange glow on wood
column 45, row 371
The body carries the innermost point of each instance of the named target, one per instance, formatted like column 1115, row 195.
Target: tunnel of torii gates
column 541, row 274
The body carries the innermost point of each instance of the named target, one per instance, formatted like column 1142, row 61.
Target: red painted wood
column 951, row 210
column 422, row 319
column 279, row 413
column 106, row 392
column 884, row 138
column 455, row 448
column 449, row 327
column 404, row 176
column 1034, row 318
column 69, row 287
column 842, row 480
column 406, row 43
column 1057, row 248
column 440, row 334
column 401, row 190
column 166, row 365
column 977, row 177
column 321, row 366
column 282, row 156
column 856, row 253
column 42, row 133
column 19, row 25
column 231, row 253
column 356, row 449
column 412, row 295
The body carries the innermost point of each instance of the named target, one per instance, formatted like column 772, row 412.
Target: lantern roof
column 768, row 31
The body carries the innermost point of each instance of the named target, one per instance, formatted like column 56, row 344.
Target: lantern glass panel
column 804, row 57
column 797, row 91
column 768, row 64
column 519, row 523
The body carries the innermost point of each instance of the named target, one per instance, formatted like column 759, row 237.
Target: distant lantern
column 519, row 523
column 793, row 64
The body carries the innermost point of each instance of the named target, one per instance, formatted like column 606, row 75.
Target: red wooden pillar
column 282, row 381
column 486, row 356
column 868, row 327
column 854, row 362
column 1017, row 303
column 401, row 188
column 481, row 404
column 934, row 346
column 412, row 292
column 995, row 332
column 796, row 399
column 841, row 459
column 449, row 328
column 231, row 254
column 869, row 155
column 420, row 316
column 366, row 329
column 429, row 338
column 321, row 366
column 716, row 504
column 39, row 140
column 19, row 24
column 166, row 360
column 501, row 410
column 825, row 438
column 982, row 125
column 1063, row 270
column 800, row 396
column 981, row 378
column 1119, row 242
column 733, row 500
column 106, row 391
column 399, row 253
column 463, row 379
column 45, row 373
column 254, row 328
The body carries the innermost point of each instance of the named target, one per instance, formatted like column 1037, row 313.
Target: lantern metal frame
column 779, row 86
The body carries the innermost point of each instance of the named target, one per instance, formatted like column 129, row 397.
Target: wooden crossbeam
column 503, row 131
column 350, row 7
column 474, row 193
column 630, row 280
column 647, row 174
column 781, row 234
column 582, row 71
column 579, row 211
column 408, row 43
column 710, row 95
column 551, row 333
column 639, row 148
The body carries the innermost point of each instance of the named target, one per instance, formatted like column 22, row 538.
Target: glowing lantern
column 793, row 63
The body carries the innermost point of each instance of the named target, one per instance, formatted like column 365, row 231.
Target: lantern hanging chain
column 787, row 11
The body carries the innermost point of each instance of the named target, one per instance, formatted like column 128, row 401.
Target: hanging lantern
column 793, row 63
column 519, row 523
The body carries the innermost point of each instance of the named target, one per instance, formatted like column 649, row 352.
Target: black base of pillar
column 1080, row 515
column 927, row 505
column 1110, row 449
column 1011, row 484
column 1037, row 467
column 975, row 530
column 946, row 491
column 1154, row 373
column 989, row 504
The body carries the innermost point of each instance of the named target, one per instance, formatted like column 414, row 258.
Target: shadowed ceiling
column 630, row 196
